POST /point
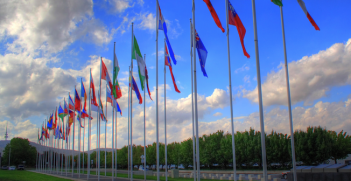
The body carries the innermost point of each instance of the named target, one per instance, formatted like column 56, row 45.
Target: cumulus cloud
column 53, row 24
column 217, row 114
column 310, row 78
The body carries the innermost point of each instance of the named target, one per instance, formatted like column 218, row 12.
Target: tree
column 314, row 146
column 21, row 151
column 186, row 152
column 341, row 146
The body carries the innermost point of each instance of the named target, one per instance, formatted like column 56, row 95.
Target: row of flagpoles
column 61, row 131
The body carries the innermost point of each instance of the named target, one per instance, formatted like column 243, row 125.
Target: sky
column 48, row 47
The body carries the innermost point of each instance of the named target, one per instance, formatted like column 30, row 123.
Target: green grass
column 19, row 175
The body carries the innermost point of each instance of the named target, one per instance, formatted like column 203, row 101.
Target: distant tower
column 6, row 135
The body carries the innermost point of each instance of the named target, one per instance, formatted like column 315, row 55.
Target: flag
column 141, row 64
column 113, row 102
column 61, row 112
column 161, row 24
column 84, row 114
column 62, row 130
column 302, row 4
column 235, row 20
column 71, row 117
column 57, row 133
column 277, row 2
column 67, row 132
column 70, row 103
column 94, row 104
column 77, row 101
column 105, row 75
column 117, row 93
column 55, row 123
column 65, row 107
column 169, row 64
column 83, row 94
column 102, row 114
column 202, row 52
column 79, row 119
column 147, row 82
column 214, row 14
column 136, row 90
column 49, row 124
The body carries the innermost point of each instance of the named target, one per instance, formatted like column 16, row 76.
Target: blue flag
column 202, row 52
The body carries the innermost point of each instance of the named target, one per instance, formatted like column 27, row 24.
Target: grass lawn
column 19, row 175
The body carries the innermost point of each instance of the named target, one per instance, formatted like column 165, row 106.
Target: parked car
column 12, row 168
column 141, row 168
column 4, row 167
column 20, row 167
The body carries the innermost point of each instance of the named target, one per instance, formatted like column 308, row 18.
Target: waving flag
column 49, row 124
column 169, row 64
column 55, row 123
column 117, row 93
column 57, row 133
column 277, row 2
column 94, row 104
column 113, row 102
column 214, row 14
column 79, row 119
column 161, row 24
column 102, row 114
column 105, row 75
column 202, row 52
column 77, row 101
column 65, row 107
column 61, row 112
column 235, row 20
column 314, row 24
column 71, row 117
column 141, row 64
column 70, row 103
column 84, row 114
column 136, row 90
column 147, row 82
column 83, row 94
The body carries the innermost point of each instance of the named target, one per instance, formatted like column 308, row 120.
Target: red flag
column 147, row 82
column 214, row 14
column 92, row 86
column 105, row 75
column 169, row 64
column 235, row 20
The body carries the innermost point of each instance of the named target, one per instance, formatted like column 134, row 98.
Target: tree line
column 314, row 146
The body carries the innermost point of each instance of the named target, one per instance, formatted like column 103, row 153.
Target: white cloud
column 148, row 21
column 242, row 69
column 310, row 78
column 121, row 5
column 247, row 79
column 217, row 114
column 53, row 24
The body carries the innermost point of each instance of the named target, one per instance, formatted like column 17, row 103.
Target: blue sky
column 68, row 41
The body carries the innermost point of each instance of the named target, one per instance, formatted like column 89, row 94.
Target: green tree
column 341, row 145
column 186, row 152
column 21, row 151
column 313, row 146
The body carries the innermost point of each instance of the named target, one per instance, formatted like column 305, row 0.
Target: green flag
column 277, row 2
column 116, row 90
column 141, row 64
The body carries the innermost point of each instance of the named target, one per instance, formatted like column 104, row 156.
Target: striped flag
column 302, row 4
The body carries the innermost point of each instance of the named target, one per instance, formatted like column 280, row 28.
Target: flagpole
column 165, row 97
column 83, row 144
column 195, row 89
column 74, row 123
column 157, row 141
column 89, row 130
column 263, row 135
column 129, row 87
column 79, row 132
column 192, row 99
column 63, row 128
column 116, row 143
column 230, row 92
column 131, row 113
column 144, row 128
column 105, row 130
column 100, row 116
column 289, row 97
column 113, row 116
